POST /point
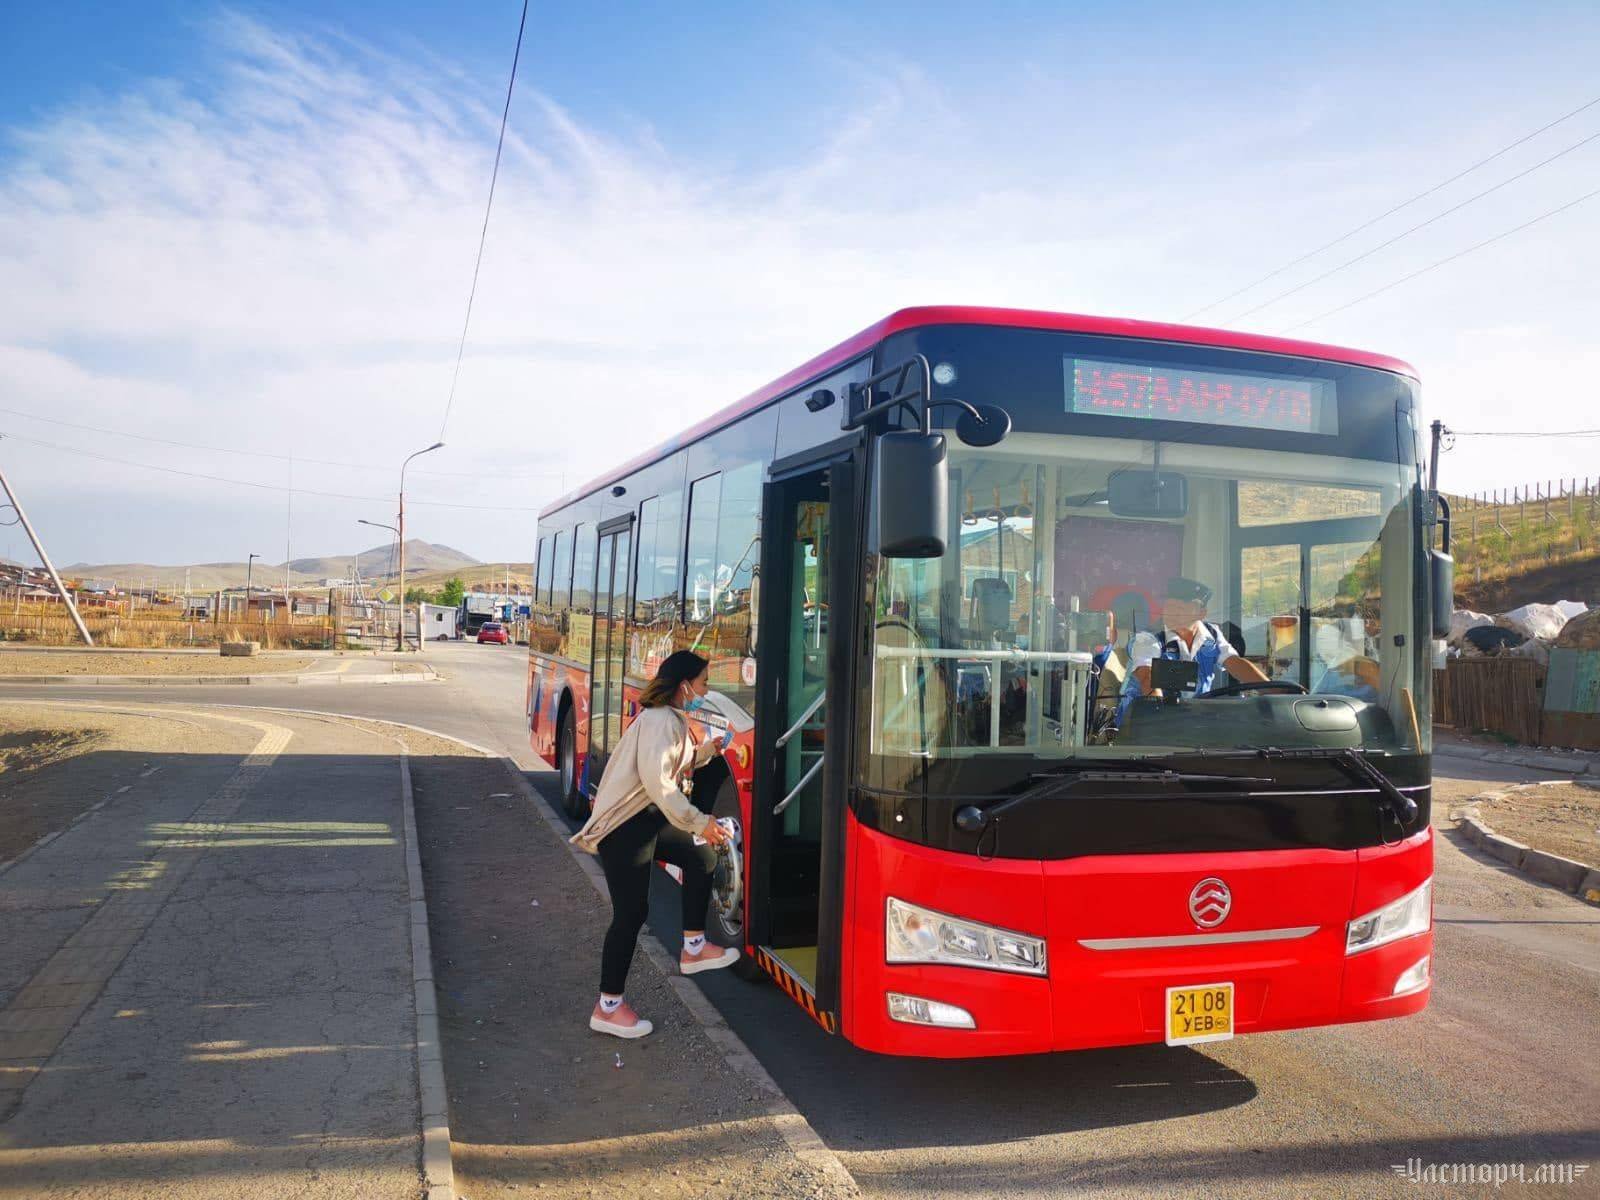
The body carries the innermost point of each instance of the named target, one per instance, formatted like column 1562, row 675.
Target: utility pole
column 38, row 547
column 249, row 566
column 400, row 635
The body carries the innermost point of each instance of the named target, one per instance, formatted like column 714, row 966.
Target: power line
column 270, row 487
column 1499, row 433
column 1448, row 259
column 483, row 234
column 1365, row 225
column 1300, row 287
column 321, row 462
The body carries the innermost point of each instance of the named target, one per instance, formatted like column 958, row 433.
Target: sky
column 251, row 229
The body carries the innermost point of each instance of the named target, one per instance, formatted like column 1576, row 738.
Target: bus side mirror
column 1442, row 584
column 913, row 494
column 1442, row 569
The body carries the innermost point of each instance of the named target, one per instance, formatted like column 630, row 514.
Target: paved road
column 205, row 983
column 1499, row 1069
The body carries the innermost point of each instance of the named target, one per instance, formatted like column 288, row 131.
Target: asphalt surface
column 205, row 982
column 1501, row 1068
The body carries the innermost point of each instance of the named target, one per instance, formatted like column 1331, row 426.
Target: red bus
column 989, row 800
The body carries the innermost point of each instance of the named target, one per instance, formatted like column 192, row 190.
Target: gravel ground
column 1559, row 818
column 112, row 662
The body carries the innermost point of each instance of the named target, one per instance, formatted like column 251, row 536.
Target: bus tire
column 718, row 931
column 573, row 802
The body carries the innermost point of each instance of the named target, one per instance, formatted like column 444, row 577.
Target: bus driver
column 1187, row 637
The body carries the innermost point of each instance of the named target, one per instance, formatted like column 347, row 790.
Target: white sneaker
column 710, row 958
column 638, row 1029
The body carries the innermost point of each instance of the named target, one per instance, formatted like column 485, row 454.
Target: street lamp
column 400, row 637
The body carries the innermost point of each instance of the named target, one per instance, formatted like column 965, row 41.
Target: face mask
column 694, row 702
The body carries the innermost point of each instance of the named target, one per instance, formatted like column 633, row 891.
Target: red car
column 493, row 631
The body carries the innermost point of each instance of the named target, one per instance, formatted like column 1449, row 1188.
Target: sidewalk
column 326, row 670
column 539, row 1103
column 207, row 981
column 1575, row 762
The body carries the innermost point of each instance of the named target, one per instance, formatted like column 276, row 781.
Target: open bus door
column 608, row 645
column 809, row 595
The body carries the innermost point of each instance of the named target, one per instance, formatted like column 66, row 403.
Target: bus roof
column 953, row 314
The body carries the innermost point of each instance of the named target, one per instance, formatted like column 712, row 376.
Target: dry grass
column 23, row 748
column 1497, row 541
column 110, row 662
column 50, row 625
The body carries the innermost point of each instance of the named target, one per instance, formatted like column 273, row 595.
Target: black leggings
column 626, row 854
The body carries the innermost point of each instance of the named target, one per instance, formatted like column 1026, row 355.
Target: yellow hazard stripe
column 796, row 990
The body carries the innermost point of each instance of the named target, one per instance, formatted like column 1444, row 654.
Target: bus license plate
column 1199, row 1014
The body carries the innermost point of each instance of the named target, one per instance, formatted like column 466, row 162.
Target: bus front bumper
column 1114, row 949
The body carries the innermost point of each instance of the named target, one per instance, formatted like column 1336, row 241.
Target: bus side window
column 700, row 569
column 577, row 635
column 561, row 571
column 655, row 585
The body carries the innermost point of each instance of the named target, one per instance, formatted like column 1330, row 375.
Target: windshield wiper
column 972, row 819
column 1359, row 768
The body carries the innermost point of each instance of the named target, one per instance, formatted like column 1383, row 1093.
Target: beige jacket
column 653, row 754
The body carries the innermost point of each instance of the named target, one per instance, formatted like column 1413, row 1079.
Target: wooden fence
column 51, row 625
column 1493, row 695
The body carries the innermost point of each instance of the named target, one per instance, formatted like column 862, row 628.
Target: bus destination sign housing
column 1169, row 392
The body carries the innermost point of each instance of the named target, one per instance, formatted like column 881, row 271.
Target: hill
column 379, row 561
column 303, row 572
column 482, row 577
column 1545, row 548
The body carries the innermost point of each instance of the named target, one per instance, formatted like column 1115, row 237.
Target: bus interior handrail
column 804, row 717
column 1080, row 657
column 804, row 779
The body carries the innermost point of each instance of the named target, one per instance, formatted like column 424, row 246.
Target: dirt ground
column 538, row 1103
column 1578, row 579
column 57, row 762
column 110, row 662
column 1560, row 818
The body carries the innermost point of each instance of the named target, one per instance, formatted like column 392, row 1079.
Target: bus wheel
column 725, row 920
column 573, row 802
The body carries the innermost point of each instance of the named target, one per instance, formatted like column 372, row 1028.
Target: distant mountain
column 374, row 563
column 380, row 561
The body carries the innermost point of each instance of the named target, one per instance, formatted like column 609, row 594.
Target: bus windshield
column 1271, row 599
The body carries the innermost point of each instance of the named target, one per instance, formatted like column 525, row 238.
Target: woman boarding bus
column 640, row 816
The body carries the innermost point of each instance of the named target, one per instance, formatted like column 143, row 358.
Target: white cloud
column 279, row 261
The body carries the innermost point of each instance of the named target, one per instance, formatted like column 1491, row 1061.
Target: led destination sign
column 1153, row 392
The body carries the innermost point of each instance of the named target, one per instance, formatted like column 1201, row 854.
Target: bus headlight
column 920, row 935
column 1412, row 913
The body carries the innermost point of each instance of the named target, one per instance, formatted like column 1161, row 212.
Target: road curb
column 287, row 679
column 438, row 1168
column 1567, row 874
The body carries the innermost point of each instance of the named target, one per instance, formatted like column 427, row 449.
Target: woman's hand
column 714, row 834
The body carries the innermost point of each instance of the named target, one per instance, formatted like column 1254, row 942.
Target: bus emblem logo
column 1210, row 902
